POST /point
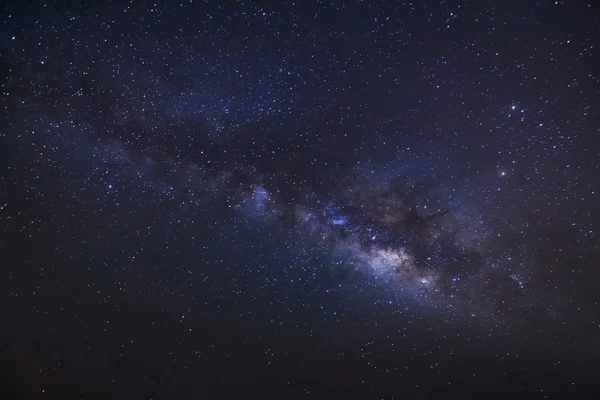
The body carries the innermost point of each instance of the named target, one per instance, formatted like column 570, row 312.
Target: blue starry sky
column 310, row 199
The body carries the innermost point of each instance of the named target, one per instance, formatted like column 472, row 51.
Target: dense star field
column 312, row 199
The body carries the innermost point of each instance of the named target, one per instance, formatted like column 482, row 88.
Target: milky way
column 386, row 228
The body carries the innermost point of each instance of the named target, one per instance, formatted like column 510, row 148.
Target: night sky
column 230, row 199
